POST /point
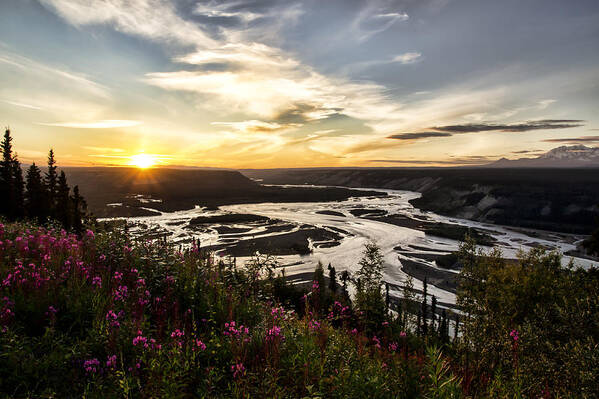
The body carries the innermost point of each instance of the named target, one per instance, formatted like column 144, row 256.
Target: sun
column 143, row 161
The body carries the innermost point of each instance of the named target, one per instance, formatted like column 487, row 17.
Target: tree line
column 40, row 196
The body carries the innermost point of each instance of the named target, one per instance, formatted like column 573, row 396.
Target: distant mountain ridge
column 574, row 156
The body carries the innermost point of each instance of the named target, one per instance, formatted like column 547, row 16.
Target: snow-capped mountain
column 574, row 156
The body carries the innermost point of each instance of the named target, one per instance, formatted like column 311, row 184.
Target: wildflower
column 315, row 285
column 97, row 281
column 377, row 341
column 514, row 335
column 273, row 333
column 112, row 318
column 121, row 293
column 111, row 361
column 200, row 345
column 91, row 365
column 238, row 370
column 89, row 234
column 314, row 324
column 402, row 334
column 177, row 333
column 393, row 347
column 140, row 340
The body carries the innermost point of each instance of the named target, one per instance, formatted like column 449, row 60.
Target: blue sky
column 298, row 83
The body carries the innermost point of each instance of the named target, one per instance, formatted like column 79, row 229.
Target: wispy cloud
column 38, row 68
column 574, row 140
column 253, row 126
column 450, row 130
column 153, row 19
column 102, row 124
column 373, row 19
column 407, row 58
column 23, row 105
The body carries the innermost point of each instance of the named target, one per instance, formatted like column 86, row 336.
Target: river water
column 358, row 231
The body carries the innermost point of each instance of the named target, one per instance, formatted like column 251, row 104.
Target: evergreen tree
column 51, row 181
column 79, row 208
column 63, row 203
column 18, row 186
column 443, row 327
column 424, row 307
column 35, row 195
column 6, row 177
column 371, row 267
column 332, row 278
column 433, row 313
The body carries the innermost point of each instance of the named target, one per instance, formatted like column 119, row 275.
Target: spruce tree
column 63, row 203
column 424, row 309
column 433, row 313
column 35, row 195
column 371, row 267
column 332, row 278
column 18, row 186
column 51, row 181
column 6, row 177
column 79, row 208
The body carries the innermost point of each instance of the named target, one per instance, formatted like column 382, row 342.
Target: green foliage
column 533, row 322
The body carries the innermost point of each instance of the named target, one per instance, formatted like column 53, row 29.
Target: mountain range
column 574, row 156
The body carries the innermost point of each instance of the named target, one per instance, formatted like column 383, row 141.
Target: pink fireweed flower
column 89, row 234
column 277, row 313
column 97, row 282
column 238, row 370
column 514, row 335
column 393, row 347
column 402, row 334
column 315, row 285
column 113, row 319
column 111, row 361
column 102, row 258
column 177, row 333
column 232, row 330
column 274, row 333
column 118, row 276
column 121, row 293
column 140, row 340
column 91, row 366
column 354, row 331
column 376, row 341
column 200, row 345
column 314, row 325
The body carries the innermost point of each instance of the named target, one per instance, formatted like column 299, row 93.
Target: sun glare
column 143, row 161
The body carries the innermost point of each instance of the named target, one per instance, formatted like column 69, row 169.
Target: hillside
column 551, row 199
column 127, row 191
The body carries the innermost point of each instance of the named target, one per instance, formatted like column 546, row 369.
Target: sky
column 266, row 84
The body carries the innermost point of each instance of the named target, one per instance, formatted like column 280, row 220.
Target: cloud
column 407, row 58
column 372, row 20
column 23, row 105
column 102, row 124
column 574, row 140
column 457, row 161
column 545, row 103
column 104, row 149
column 419, row 135
column 526, row 151
column 253, row 126
column 516, row 127
column 450, row 130
column 154, row 19
column 43, row 70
